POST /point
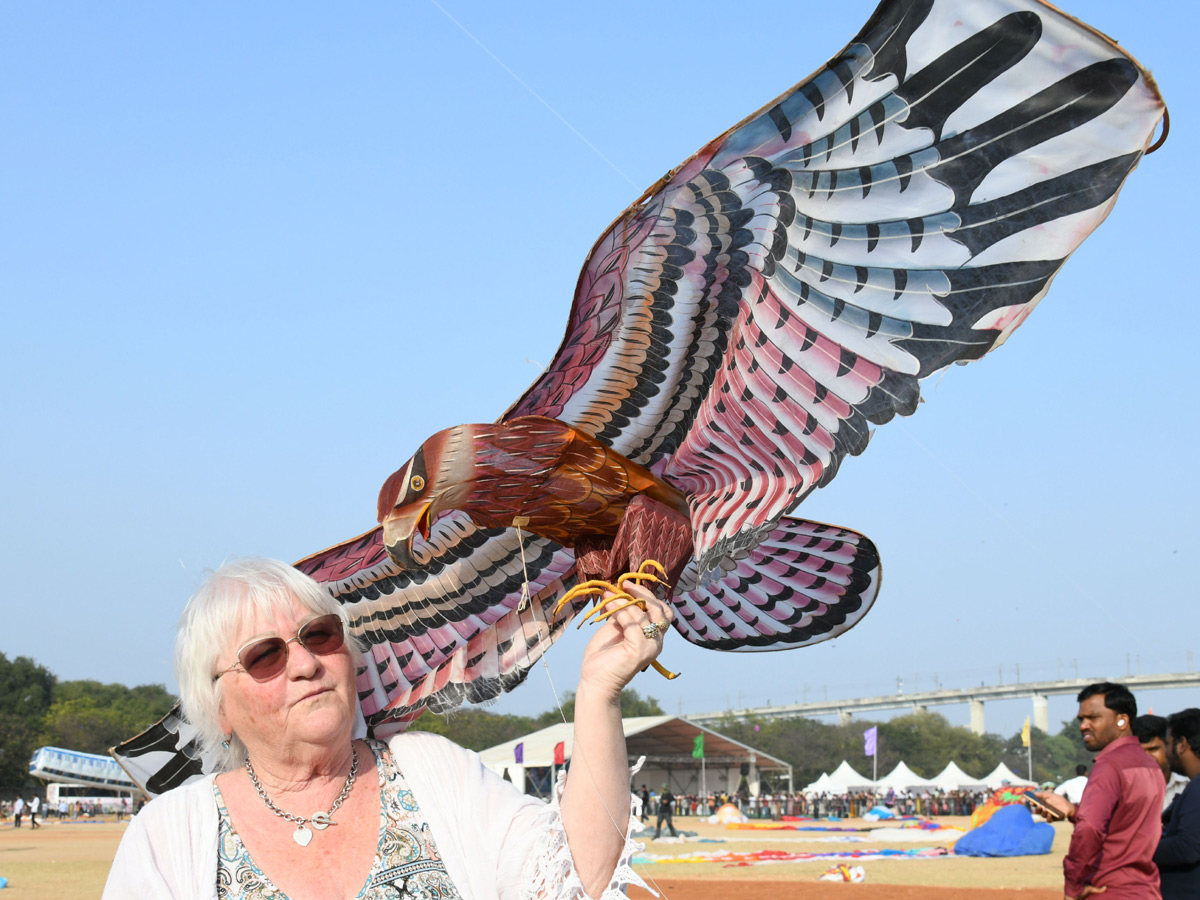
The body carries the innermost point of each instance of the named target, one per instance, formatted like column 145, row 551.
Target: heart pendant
column 321, row 821
column 301, row 835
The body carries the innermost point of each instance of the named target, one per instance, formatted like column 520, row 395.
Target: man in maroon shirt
column 1117, row 823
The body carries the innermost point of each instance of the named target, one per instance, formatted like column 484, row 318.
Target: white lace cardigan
column 496, row 843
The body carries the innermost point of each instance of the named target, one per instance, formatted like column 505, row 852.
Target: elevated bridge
column 975, row 697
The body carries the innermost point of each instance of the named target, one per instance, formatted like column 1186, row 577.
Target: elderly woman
column 305, row 808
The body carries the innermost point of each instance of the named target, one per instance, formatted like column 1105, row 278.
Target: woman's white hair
column 209, row 624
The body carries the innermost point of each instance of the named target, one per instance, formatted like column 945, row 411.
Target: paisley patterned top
column 407, row 863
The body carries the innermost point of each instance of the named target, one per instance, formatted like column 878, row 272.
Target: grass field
column 70, row 861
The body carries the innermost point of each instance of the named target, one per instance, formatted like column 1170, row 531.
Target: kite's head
column 432, row 482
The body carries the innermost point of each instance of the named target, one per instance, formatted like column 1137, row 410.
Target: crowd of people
column 29, row 811
column 819, row 805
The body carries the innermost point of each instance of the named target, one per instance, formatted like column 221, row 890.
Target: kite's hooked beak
column 399, row 527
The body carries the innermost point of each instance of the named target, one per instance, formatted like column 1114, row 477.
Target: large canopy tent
column 902, row 778
column 821, row 786
column 667, row 742
column 952, row 778
column 844, row 780
column 1003, row 774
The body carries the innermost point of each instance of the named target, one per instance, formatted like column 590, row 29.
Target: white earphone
column 1120, row 723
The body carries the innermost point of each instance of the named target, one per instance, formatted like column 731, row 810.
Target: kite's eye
column 417, row 483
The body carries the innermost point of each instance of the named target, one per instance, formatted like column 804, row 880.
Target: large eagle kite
column 734, row 334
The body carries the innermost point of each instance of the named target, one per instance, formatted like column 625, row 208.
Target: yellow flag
column 1025, row 733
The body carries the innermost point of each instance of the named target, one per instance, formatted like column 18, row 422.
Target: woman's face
column 309, row 704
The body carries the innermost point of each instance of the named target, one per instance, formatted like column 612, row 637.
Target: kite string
column 517, row 78
column 519, row 521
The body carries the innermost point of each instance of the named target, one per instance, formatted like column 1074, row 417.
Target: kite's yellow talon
column 638, row 578
column 588, row 587
column 649, row 571
column 604, row 613
column 652, row 564
column 664, row 671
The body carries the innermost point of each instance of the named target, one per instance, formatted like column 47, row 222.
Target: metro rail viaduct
column 1038, row 691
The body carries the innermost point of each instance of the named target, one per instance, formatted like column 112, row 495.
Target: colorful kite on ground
column 1007, row 795
column 733, row 337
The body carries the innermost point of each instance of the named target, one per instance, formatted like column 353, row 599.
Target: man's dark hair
column 1147, row 728
column 1081, row 769
column 1116, row 697
column 1186, row 724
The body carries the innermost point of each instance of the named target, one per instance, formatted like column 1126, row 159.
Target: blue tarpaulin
column 1011, row 831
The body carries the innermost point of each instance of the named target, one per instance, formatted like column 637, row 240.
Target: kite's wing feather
column 739, row 329
column 450, row 632
column 164, row 756
column 804, row 583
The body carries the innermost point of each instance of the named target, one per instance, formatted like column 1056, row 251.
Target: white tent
column 952, row 778
column 820, row 786
column 844, row 779
column 1003, row 773
column 902, row 778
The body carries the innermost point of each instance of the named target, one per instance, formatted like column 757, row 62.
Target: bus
column 88, row 778
column 105, row 800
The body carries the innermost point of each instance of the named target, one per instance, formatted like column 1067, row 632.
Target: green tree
column 475, row 729
column 26, row 688
column 25, row 695
column 92, row 717
column 632, row 704
column 925, row 741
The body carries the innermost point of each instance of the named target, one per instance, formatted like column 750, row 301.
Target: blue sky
column 254, row 256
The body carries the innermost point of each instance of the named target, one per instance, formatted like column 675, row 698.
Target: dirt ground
column 70, row 861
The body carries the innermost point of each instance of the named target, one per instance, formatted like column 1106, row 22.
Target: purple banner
column 870, row 737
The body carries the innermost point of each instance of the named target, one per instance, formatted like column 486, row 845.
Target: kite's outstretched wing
column 454, row 631
column 739, row 328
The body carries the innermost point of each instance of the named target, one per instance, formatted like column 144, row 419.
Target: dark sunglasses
column 264, row 658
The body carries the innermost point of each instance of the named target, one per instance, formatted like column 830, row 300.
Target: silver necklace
column 320, row 820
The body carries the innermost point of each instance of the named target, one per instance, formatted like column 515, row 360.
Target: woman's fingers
column 626, row 615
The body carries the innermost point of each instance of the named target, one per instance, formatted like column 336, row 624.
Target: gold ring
column 662, row 627
column 651, row 631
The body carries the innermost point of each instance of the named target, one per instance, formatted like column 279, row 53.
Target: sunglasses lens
column 264, row 659
column 323, row 635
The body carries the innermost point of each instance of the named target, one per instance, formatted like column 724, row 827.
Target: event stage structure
column 668, row 744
